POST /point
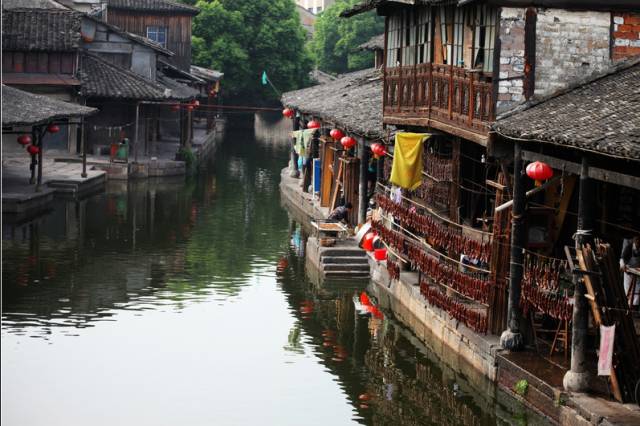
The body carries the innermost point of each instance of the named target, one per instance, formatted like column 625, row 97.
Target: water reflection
column 174, row 302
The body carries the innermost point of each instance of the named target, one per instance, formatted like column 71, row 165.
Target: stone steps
column 346, row 267
column 360, row 260
column 346, row 274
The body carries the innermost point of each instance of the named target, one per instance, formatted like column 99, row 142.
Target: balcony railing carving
column 453, row 95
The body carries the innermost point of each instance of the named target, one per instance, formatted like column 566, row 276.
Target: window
column 424, row 35
column 484, row 21
column 394, row 37
column 158, row 34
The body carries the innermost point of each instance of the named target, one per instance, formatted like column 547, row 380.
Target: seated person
column 340, row 213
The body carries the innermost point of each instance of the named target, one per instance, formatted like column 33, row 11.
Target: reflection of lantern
column 313, row 124
column 24, row 139
column 348, row 142
column 367, row 242
column 378, row 150
column 196, row 103
column 33, row 150
column 336, row 134
column 288, row 112
column 380, row 254
column 53, row 128
column 175, row 107
column 539, row 171
column 190, row 107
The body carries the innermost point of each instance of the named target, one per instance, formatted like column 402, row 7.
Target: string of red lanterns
column 378, row 150
column 313, row 124
column 336, row 134
column 288, row 112
column 348, row 142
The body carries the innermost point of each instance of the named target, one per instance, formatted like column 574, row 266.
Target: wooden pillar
column 362, row 187
column 511, row 338
column 83, row 139
column 40, row 132
column 294, row 157
column 578, row 377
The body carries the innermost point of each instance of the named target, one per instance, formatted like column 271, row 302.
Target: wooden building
column 166, row 22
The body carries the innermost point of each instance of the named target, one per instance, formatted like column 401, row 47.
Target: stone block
column 618, row 20
column 621, row 42
column 503, row 74
column 505, row 60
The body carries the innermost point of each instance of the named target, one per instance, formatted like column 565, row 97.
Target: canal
column 187, row 302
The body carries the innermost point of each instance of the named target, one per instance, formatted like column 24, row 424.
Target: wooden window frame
column 156, row 29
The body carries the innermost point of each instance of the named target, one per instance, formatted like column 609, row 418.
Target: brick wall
column 626, row 35
column 511, row 72
column 569, row 45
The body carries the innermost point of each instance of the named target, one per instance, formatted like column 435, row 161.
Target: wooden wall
column 178, row 31
column 39, row 62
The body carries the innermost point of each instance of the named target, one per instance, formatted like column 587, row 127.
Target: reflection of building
column 315, row 6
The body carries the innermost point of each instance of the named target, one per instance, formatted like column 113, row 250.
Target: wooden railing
column 452, row 95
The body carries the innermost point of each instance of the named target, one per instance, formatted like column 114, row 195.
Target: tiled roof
column 20, row 108
column 178, row 91
column 40, row 30
column 206, row 73
column 31, row 4
column 353, row 102
column 601, row 116
column 374, row 43
column 101, row 79
column 162, row 6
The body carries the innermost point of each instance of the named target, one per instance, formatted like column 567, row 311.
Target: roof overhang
column 26, row 79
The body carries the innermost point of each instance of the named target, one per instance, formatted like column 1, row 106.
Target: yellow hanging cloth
column 406, row 171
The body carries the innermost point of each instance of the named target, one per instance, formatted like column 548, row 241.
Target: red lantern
column 348, row 142
column 380, row 254
column 195, row 103
column 378, row 150
column 53, row 128
column 336, row 134
column 367, row 241
column 313, row 124
column 539, row 171
column 190, row 107
column 24, row 139
column 175, row 107
column 33, row 150
column 288, row 112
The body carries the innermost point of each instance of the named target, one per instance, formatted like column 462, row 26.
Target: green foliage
column 243, row 38
column 336, row 40
column 187, row 156
column 521, row 387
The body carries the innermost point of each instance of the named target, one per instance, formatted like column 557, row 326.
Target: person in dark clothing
column 340, row 213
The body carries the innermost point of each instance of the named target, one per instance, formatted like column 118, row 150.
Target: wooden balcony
column 448, row 98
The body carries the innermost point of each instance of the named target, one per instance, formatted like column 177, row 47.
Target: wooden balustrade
column 455, row 96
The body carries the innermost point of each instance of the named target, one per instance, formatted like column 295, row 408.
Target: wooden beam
column 596, row 173
column 478, row 138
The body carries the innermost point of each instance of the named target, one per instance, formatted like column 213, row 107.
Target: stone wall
column 626, row 35
column 569, row 46
column 512, row 60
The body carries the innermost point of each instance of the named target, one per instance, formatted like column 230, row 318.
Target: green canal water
column 188, row 303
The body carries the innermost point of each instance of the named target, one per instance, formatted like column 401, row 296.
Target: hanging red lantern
column 367, row 241
column 378, row 150
column 24, row 139
column 175, row 107
column 190, row 107
column 313, row 124
column 33, row 150
column 336, row 134
column 288, row 112
column 539, row 171
column 195, row 103
column 348, row 142
column 53, row 128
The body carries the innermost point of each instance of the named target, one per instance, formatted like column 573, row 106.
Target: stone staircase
column 344, row 262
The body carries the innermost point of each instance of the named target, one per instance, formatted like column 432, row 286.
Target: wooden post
column 511, row 338
column 135, row 137
column 362, row 188
column 578, row 377
column 294, row 157
column 83, row 139
column 39, row 144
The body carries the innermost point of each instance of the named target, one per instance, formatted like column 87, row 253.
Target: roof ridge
column 130, row 5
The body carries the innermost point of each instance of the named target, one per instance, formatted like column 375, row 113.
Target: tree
column 245, row 38
column 336, row 40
